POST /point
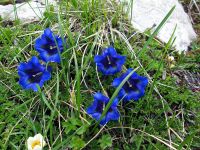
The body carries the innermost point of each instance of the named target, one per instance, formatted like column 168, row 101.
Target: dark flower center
column 100, row 107
column 36, row 78
column 130, row 85
column 50, row 48
column 34, row 75
column 109, row 61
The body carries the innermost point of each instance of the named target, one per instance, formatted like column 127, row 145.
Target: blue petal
column 134, row 95
column 34, row 60
column 47, row 58
column 44, row 56
column 61, row 43
column 115, row 103
column 129, row 71
column 98, row 58
column 134, row 76
column 117, row 82
column 21, row 68
column 113, row 115
column 111, row 71
column 42, row 45
column 33, row 86
column 143, row 81
column 45, row 77
column 105, row 52
column 50, row 58
column 39, row 43
column 55, row 58
column 122, row 60
column 103, row 121
column 96, row 116
column 92, row 108
column 23, row 81
column 100, row 97
column 122, row 93
column 101, row 68
column 111, row 51
column 48, row 33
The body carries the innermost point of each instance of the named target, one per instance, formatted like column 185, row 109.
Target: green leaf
column 74, row 3
column 105, row 141
column 69, row 127
column 76, row 143
column 82, row 129
column 75, row 122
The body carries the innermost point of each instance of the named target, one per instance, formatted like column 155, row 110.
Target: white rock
column 26, row 12
column 147, row 13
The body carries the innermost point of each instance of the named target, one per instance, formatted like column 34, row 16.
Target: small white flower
column 172, row 66
column 36, row 143
column 170, row 58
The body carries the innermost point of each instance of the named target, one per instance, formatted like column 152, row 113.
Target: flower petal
column 109, row 62
column 122, row 60
column 29, row 143
column 49, row 46
column 98, row 58
column 96, row 116
column 90, row 110
column 100, row 97
column 37, row 147
column 122, row 94
column 115, row 103
column 33, row 73
column 49, row 34
column 136, row 89
column 113, row 115
column 111, row 50
column 117, row 82
column 34, row 61
column 134, row 95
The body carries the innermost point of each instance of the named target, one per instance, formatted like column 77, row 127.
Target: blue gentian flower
column 97, row 108
column 33, row 73
column 49, row 46
column 134, row 87
column 109, row 62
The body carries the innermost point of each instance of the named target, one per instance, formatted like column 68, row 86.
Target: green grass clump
column 168, row 116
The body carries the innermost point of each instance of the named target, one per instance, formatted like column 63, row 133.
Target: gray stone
column 147, row 13
column 27, row 11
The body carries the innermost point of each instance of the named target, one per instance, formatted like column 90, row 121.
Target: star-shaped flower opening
column 97, row 108
column 33, row 73
column 110, row 62
column 49, row 46
column 134, row 87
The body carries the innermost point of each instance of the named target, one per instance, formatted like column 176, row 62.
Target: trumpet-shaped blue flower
column 109, row 62
column 33, row 73
column 49, row 46
column 97, row 108
column 134, row 87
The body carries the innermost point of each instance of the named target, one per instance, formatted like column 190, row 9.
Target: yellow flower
column 36, row 143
